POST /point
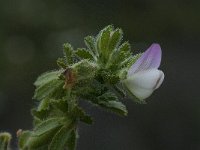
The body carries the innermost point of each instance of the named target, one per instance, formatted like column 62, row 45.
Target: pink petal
column 150, row 59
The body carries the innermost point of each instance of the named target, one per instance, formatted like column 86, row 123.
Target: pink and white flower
column 143, row 76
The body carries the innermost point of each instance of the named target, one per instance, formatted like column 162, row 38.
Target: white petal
column 143, row 83
column 160, row 81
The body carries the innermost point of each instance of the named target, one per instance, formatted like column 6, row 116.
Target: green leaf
column 61, row 62
column 108, row 96
column 68, row 53
column 44, row 105
column 86, row 119
column 109, row 76
column 61, row 104
column 37, row 120
column 124, row 52
column 59, row 141
column 49, row 90
column 41, row 114
column 80, row 113
column 90, row 43
column 47, row 125
column 71, row 143
column 115, row 106
column 99, row 95
column 103, row 42
column 110, row 101
column 23, row 139
column 41, row 142
column 82, row 53
column 85, row 71
column 91, row 91
column 129, row 62
column 42, row 147
column 5, row 140
column 47, row 77
column 120, row 56
column 116, row 37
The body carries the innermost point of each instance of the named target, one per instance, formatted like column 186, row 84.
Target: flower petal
column 150, row 59
column 143, row 83
column 160, row 81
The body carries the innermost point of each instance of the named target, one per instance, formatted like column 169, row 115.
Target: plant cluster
column 98, row 74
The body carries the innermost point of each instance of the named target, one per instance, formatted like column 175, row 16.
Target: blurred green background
column 31, row 36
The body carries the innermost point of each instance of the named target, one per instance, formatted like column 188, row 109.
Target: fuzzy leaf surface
column 59, row 141
column 83, row 54
column 50, row 89
column 47, row 125
column 47, row 77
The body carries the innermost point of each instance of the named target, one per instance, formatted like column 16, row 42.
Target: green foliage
column 47, row 125
column 68, row 53
column 38, row 142
column 49, row 89
column 92, row 74
column 5, row 140
column 23, row 139
column 100, row 95
column 48, row 85
column 61, row 138
column 71, row 143
column 85, row 71
column 82, row 115
column 90, row 43
column 47, row 77
column 111, row 102
column 83, row 53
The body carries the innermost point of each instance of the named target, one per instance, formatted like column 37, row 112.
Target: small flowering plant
column 103, row 74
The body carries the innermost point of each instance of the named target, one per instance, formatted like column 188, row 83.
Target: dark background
column 31, row 36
